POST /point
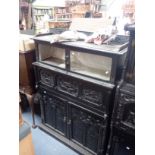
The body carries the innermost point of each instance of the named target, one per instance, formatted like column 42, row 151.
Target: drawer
column 46, row 77
column 86, row 93
column 95, row 96
column 67, row 85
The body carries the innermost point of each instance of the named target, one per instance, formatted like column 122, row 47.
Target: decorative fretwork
column 93, row 96
column 68, row 85
column 86, row 128
column 47, row 78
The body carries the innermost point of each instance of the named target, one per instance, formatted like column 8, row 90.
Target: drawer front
column 125, row 112
column 86, row 93
column 46, row 77
column 95, row 96
column 67, row 85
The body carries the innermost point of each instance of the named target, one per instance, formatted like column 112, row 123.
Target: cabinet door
column 55, row 111
column 49, row 111
column 86, row 129
column 60, row 115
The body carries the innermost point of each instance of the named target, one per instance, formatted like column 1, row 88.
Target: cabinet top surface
column 112, row 48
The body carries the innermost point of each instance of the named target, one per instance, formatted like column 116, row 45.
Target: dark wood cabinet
column 26, row 72
column 130, row 68
column 122, row 137
column 76, row 82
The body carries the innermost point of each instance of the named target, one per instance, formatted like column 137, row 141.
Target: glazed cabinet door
column 86, row 129
column 55, row 112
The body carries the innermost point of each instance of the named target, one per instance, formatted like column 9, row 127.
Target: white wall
column 112, row 8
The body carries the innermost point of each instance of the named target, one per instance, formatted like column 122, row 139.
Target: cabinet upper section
column 101, row 62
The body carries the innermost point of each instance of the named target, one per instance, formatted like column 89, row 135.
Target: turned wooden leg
column 31, row 103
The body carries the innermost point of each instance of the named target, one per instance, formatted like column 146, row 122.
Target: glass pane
column 52, row 55
column 91, row 65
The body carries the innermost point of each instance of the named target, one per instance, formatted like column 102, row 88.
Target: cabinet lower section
column 79, row 128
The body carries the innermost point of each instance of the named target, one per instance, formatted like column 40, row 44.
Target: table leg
column 31, row 103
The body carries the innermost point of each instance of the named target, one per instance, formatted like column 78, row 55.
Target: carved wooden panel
column 49, row 111
column 86, row 128
column 96, row 96
column 77, row 128
column 26, row 72
column 91, row 95
column 67, row 85
column 47, row 78
column 125, row 118
column 55, row 112
column 92, row 137
column 61, row 117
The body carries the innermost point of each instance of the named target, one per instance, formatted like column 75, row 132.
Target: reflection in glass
column 91, row 65
column 52, row 55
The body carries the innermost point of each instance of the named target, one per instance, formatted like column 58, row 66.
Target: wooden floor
column 26, row 146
